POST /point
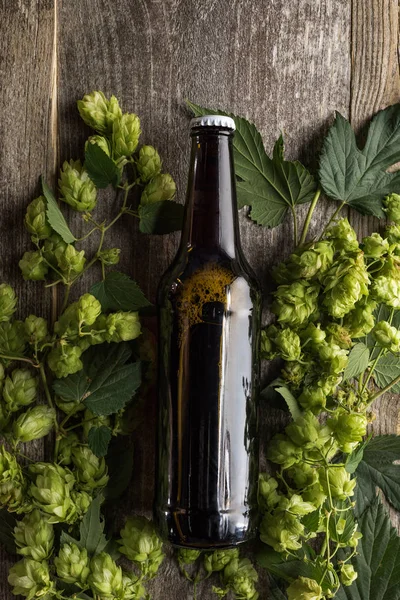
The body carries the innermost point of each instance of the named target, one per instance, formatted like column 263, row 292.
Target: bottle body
column 209, row 311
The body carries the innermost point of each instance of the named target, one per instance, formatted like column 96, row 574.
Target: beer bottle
column 209, row 313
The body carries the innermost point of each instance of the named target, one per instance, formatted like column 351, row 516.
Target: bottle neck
column 211, row 220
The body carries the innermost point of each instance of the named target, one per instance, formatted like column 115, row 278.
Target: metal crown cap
column 213, row 121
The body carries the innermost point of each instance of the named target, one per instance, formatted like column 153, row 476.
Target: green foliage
column 119, row 292
column 102, row 170
column 358, row 361
column 99, row 439
column 160, row 217
column 55, row 217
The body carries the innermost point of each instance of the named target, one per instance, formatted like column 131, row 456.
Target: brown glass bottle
column 209, row 312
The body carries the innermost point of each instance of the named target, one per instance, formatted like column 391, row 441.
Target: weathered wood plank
column 26, row 151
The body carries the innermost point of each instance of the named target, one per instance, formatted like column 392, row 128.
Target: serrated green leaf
column 290, row 401
column 377, row 469
column 356, row 176
column 120, row 467
column 65, row 538
column 311, row 521
column 161, row 217
column 377, row 559
column 288, row 569
column 354, row 459
column 386, row 370
column 119, row 292
column 55, row 217
column 7, row 524
column 101, row 169
column 269, row 185
column 92, row 528
column 357, row 362
column 338, row 532
column 105, row 384
column 98, row 440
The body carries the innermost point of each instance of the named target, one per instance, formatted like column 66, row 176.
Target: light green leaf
column 377, row 559
column 161, row 217
column 98, row 440
column 290, row 401
column 358, row 361
column 92, row 528
column 354, row 459
column 269, row 185
column 356, row 176
column 101, row 169
column 386, row 370
column 377, row 469
column 119, row 292
column 55, row 217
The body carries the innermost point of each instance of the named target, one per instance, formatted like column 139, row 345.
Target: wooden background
column 286, row 65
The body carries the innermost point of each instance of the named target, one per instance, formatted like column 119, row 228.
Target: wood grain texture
column 285, row 65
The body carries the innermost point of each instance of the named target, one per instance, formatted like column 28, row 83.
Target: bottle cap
column 213, row 121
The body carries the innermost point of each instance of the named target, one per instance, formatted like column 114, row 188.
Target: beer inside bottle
column 209, row 311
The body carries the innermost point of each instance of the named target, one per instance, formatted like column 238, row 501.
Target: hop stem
column 309, row 216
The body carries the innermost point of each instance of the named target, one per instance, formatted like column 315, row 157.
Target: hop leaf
column 30, row 578
column 36, row 221
column 126, row 133
column 34, row 536
column 8, row 302
column 98, row 112
column 148, row 163
column 76, row 187
column 20, row 389
column 161, row 187
column 33, row 266
column 141, row 544
column 34, row 424
column 72, row 564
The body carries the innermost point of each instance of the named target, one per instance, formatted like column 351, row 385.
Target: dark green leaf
column 358, row 361
column 65, row 538
column 269, row 185
column 161, row 217
column 7, row 524
column 120, row 467
column 92, row 528
column 338, row 532
column 386, row 370
column 311, row 521
column 290, row 401
column 271, row 396
column 119, row 292
column 359, row 177
column 55, row 217
column 112, row 548
column 354, row 459
column 288, row 569
column 377, row 469
column 275, row 593
column 378, row 559
column 101, row 169
column 98, row 440
column 105, row 384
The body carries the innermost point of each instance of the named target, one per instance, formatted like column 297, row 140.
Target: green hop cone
column 88, row 309
column 294, row 373
column 67, row 325
column 305, row 430
column 288, row 344
column 12, row 338
column 392, row 208
column 36, row 220
column 315, row 494
column 345, row 284
column 70, row 261
column 11, row 481
column 348, row 429
column 281, row 530
column 65, row 360
column 34, row 424
column 105, row 578
column 110, row 256
column 50, row 491
column 336, row 334
column 148, row 163
column 8, row 302
column 387, row 336
column 355, row 538
column 313, row 398
column 392, row 234
column 91, row 471
column 187, row 556
column 161, row 187
column 386, row 285
column 333, row 358
column 91, row 420
column 361, row 320
column 312, row 334
column 126, row 133
column 36, row 329
column 296, row 505
column 337, row 480
column 268, row 350
column 282, row 451
column 343, row 236
column 303, row 474
column 310, row 261
column 30, row 578
column 76, row 187
column 304, row 588
column 99, row 141
column 72, row 564
column 82, row 501
column 268, row 496
column 241, row 577
column 122, row 326
column 375, row 246
column 20, row 389
column 347, row 574
column 132, row 587
column 54, row 244
column 98, row 112
column 33, row 266
column 34, row 536
column 219, row 559
column 295, row 303
column 142, row 545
